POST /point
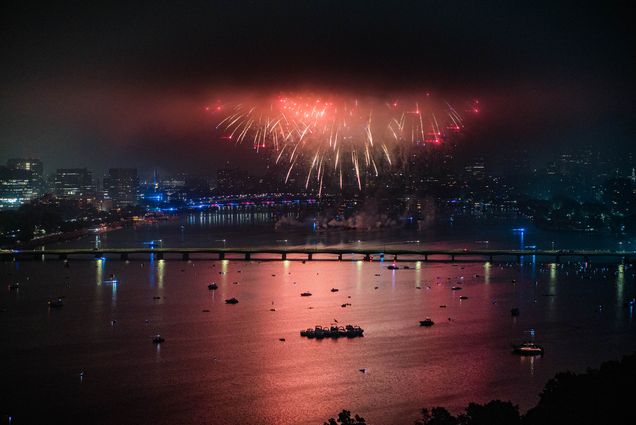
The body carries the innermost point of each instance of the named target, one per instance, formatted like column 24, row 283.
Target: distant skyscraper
column 17, row 186
column 28, row 164
column 122, row 186
column 74, row 183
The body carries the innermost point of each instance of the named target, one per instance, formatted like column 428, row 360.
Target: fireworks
column 337, row 135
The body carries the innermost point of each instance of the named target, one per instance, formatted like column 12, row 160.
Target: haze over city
column 317, row 212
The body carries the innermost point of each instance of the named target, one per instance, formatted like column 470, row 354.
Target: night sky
column 84, row 85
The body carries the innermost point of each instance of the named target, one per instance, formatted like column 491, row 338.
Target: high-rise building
column 17, row 186
column 28, row 164
column 74, row 183
column 121, row 185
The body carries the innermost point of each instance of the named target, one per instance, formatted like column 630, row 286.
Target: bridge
column 309, row 254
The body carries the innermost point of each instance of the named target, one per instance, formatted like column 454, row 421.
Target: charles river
column 93, row 360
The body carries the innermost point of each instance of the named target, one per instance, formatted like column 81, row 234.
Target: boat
column 319, row 332
column 528, row 349
column 354, row 331
column 334, row 289
column 463, row 297
column 158, row 339
column 14, row 286
column 427, row 322
column 456, row 288
column 393, row 267
column 514, row 312
column 333, row 331
column 212, row 286
column 231, row 301
column 305, row 294
column 56, row 303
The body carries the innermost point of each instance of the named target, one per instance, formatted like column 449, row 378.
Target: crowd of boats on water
column 527, row 348
column 352, row 331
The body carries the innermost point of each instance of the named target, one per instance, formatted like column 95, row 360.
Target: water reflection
column 620, row 286
column 161, row 271
column 100, row 263
column 396, row 351
column 487, row 267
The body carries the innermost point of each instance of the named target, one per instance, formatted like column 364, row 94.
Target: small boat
column 427, row 322
column 456, row 288
column 334, row 289
column 334, row 332
column 319, row 332
column 528, row 349
column 231, row 301
column 514, row 312
column 354, row 331
column 56, row 303
column 463, row 297
column 212, row 286
column 393, row 267
column 158, row 339
column 305, row 294
column 442, row 306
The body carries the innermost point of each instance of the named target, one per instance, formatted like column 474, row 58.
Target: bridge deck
column 309, row 253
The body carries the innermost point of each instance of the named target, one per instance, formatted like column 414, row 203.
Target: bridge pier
column 248, row 256
column 221, row 255
column 63, row 257
column 425, row 257
column 586, row 259
column 284, row 256
column 185, row 256
column 310, row 256
column 519, row 259
column 453, row 258
column 367, row 257
column 339, row 257
column 159, row 255
column 395, row 258
column 98, row 256
column 124, row 256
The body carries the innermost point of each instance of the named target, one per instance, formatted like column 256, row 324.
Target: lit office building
column 74, row 183
column 121, row 185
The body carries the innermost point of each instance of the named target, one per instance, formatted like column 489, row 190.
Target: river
column 225, row 364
